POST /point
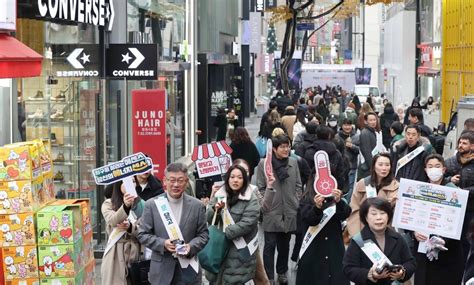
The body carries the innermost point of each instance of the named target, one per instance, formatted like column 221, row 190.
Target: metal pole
column 363, row 32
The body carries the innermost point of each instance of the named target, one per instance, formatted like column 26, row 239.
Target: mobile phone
column 394, row 268
column 328, row 199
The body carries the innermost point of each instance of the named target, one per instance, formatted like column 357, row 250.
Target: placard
column 128, row 166
column 430, row 208
column 212, row 159
column 324, row 182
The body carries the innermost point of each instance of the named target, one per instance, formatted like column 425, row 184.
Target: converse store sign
column 134, row 62
column 81, row 61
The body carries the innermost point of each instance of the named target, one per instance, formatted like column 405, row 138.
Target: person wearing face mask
column 242, row 204
column 448, row 267
column 376, row 214
column 332, row 122
column 380, row 183
column 368, row 141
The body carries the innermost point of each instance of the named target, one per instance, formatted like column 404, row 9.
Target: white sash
column 174, row 233
column 313, row 231
column 379, row 147
column 371, row 191
column 117, row 234
column 409, row 157
column 372, row 251
column 245, row 250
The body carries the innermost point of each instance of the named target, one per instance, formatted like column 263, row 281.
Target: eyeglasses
column 180, row 181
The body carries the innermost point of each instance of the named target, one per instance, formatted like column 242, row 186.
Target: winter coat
column 307, row 140
column 283, row 101
column 115, row 263
column 350, row 114
column 351, row 153
column 368, row 141
column 343, row 102
column 447, row 269
column 153, row 188
column 297, row 129
column 339, row 169
column 323, row 111
column 288, row 121
column 395, row 139
column 246, row 151
column 322, row 260
column 245, row 214
column 466, row 171
column 220, row 122
column 386, row 119
column 334, row 109
column 389, row 193
column 415, row 169
column 269, row 127
column 356, row 264
column 280, row 204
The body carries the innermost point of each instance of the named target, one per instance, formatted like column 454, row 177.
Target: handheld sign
column 268, row 160
column 123, row 170
column 324, row 182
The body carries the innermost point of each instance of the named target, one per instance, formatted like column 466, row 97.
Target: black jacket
column 415, row 169
column 308, row 140
column 153, row 188
column 356, row 264
column 368, row 141
column 248, row 152
column 352, row 153
column 386, row 119
column 466, row 170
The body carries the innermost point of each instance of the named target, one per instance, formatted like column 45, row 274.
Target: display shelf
column 63, row 163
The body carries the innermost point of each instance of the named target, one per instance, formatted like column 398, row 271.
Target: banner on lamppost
column 255, row 21
column 269, row 4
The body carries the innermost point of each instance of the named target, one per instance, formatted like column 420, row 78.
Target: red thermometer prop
column 268, row 160
column 324, row 182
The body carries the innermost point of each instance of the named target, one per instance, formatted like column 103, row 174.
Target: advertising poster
column 149, row 126
column 363, row 75
column 212, row 159
column 430, row 208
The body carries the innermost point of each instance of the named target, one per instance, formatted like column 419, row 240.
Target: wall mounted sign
column 259, row 5
column 93, row 12
column 81, row 60
column 8, row 15
column 132, row 61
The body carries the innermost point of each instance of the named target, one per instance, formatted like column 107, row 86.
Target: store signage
column 269, row 4
column 305, row 26
column 149, row 126
column 128, row 166
column 132, row 61
column 93, row 12
column 83, row 62
column 8, row 15
column 259, row 5
column 255, row 21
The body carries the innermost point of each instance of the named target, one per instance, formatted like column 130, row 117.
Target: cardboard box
column 77, row 280
column 88, row 248
column 89, row 273
column 59, row 224
column 17, row 229
column 30, row 281
column 47, row 193
column 56, row 261
column 20, row 162
column 19, row 262
column 45, row 158
column 19, row 197
column 85, row 211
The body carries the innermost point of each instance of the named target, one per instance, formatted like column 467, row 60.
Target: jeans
column 352, row 177
column 280, row 241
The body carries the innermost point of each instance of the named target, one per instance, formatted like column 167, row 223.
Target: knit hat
column 351, row 105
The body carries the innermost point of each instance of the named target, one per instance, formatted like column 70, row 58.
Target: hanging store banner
column 259, row 5
column 132, row 61
column 269, row 4
column 255, row 21
column 149, row 126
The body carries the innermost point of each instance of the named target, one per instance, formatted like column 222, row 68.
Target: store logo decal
column 139, row 58
column 73, row 58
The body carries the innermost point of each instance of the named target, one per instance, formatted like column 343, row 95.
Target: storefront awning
column 17, row 59
column 210, row 150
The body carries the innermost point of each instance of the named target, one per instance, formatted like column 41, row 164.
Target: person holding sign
column 322, row 259
column 123, row 246
column 238, row 206
column 380, row 183
column 438, row 266
column 174, row 227
column 378, row 255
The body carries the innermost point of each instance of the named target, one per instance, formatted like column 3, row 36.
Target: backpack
column 437, row 141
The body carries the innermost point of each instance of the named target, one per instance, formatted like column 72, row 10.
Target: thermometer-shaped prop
column 268, row 160
column 324, row 182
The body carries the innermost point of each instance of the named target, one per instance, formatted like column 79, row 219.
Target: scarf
column 280, row 167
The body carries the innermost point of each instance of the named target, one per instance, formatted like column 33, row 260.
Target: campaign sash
column 117, row 233
column 174, row 233
column 371, row 250
column 313, row 231
column 409, row 157
column 379, row 147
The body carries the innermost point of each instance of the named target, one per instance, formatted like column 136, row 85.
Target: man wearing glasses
column 174, row 227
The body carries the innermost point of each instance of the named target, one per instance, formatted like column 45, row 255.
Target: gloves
column 433, row 246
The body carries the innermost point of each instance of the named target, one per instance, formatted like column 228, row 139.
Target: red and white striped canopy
column 209, row 150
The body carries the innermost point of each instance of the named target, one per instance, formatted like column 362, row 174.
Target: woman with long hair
column 244, row 148
column 288, row 120
column 357, row 104
column 381, row 183
column 116, row 211
column 274, row 121
column 300, row 122
column 236, row 197
column 322, row 109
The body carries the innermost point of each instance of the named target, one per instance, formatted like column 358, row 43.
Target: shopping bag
column 215, row 251
column 138, row 272
column 261, row 144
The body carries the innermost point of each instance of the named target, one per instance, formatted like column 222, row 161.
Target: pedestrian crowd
column 174, row 236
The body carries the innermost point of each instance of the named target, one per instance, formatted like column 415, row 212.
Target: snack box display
column 20, row 162
column 47, row 193
column 88, row 248
column 17, row 229
column 78, row 279
column 89, row 273
column 19, row 196
column 56, row 261
column 85, row 211
column 30, row 281
column 59, row 224
column 19, row 262
column 45, row 158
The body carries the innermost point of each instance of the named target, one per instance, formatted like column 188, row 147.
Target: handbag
column 138, row 271
column 261, row 144
column 215, row 251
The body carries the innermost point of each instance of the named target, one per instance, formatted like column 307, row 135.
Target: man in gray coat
column 281, row 194
column 173, row 258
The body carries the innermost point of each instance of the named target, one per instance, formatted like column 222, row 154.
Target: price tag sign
column 324, row 182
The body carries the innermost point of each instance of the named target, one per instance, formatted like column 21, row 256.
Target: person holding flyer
column 378, row 255
column 380, row 183
column 442, row 263
column 239, row 201
column 125, row 248
column 322, row 260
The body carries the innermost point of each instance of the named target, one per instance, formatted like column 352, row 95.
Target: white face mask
column 332, row 124
column 434, row 174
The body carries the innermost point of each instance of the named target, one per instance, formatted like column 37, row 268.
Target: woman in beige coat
column 116, row 261
column 381, row 183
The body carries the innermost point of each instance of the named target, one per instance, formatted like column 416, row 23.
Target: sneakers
column 58, row 115
column 53, row 137
column 59, row 158
column 282, row 279
column 58, row 176
column 38, row 96
column 36, row 115
column 59, row 97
